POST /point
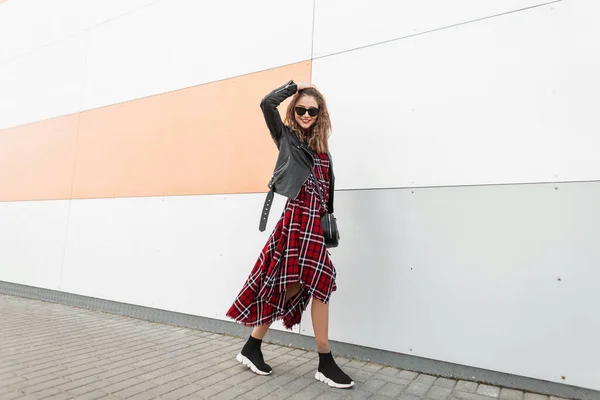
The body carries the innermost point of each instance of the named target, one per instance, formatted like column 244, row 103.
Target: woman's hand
column 302, row 86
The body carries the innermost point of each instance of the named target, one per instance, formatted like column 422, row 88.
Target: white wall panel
column 101, row 11
column 578, row 92
column 43, row 84
column 474, row 104
column 175, row 44
column 32, row 241
column 188, row 254
column 501, row 277
column 342, row 25
column 28, row 25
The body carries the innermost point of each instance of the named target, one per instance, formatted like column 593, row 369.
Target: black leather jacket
column 295, row 160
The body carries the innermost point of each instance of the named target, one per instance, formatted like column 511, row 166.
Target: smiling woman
column 294, row 266
column 307, row 115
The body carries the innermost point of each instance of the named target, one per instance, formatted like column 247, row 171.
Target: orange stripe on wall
column 206, row 139
column 36, row 160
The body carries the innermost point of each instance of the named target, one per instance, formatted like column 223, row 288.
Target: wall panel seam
column 435, row 30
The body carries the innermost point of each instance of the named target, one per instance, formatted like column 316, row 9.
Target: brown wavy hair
column 320, row 130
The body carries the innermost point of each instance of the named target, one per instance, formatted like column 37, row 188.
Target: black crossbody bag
column 328, row 221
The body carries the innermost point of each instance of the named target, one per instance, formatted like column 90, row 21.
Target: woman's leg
column 251, row 355
column 328, row 371
column 320, row 320
column 260, row 331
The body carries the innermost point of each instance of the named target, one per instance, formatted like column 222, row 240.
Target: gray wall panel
column 500, row 277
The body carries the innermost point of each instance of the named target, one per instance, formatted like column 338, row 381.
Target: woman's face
column 306, row 105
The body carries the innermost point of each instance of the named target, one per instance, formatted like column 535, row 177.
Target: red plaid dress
column 295, row 252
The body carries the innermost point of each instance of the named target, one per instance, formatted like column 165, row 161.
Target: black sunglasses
column 313, row 112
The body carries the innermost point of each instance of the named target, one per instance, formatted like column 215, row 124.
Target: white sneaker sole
column 245, row 361
column 320, row 377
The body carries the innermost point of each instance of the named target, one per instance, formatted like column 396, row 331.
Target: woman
column 294, row 265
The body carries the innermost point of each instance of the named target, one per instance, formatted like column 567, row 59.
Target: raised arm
column 269, row 106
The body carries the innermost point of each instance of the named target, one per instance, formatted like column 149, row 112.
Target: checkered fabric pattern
column 295, row 252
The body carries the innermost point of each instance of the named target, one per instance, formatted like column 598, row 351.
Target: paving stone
column 206, row 393
column 89, row 387
column 93, row 395
column 58, row 396
column 136, row 389
column 428, row 379
column 407, row 374
column 297, row 352
column 51, row 370
column 142, row 396
column 378, row 397
column 391, row 390
column 278, row 394
column 360, row 376
column 330, row 395
column 487, row 390
column 169, row 377
column 185, row 391
column 466, row 386
column 357, row 394
column 389, row 371
column 238, row 378
column 406, row 396
column 44, row 385
column 438, row 393
column 35, row 381
column 356, row 364
column 511, row 394
column 445, row 382
column 6, row 375
column 266, row 389
column 299, row 384
column 469, row 396
column 533, row 396
column 47, row 393
column 373, row 385
column 13, row 380
column 310, row 392
column 396, row 380
column 11, row 395
column 116, row 387
column 168, row 387
column 417, row 388
column 338, row 360
column 230, row 393
column 77, row 383
column 370, row 367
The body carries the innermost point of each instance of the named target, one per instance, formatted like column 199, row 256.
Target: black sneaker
column 329, row 373
column 252, row 357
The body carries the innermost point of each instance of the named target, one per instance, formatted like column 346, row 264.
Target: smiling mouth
column 306, row 121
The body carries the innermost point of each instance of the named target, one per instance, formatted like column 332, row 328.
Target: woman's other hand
column 303, row 85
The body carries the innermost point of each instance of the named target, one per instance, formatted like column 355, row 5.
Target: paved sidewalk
column 52, row 351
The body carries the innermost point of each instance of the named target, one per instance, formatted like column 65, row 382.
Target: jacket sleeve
column 269, row 105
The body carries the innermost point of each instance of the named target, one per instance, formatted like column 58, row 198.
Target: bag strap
column 312, row 173
column 331, row 185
